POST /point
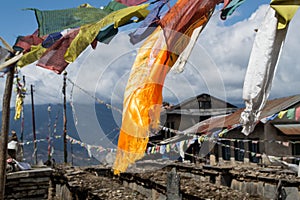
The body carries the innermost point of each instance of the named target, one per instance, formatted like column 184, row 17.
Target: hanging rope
column 96, row 98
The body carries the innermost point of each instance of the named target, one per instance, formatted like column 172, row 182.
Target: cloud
column 217, row 66
column 230, row 47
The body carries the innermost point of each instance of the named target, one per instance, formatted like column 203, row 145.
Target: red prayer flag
column 25, row 42
column 297, row 114
column 183, row 18
column 131, row 2
column 53, row 58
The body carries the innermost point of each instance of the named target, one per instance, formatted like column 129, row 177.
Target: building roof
column 203, row 95
column 272, row 107
column 289, row 129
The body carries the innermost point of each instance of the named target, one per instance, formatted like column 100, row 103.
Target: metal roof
column 289, row 129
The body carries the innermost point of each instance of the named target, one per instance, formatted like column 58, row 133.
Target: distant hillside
column 80, row 154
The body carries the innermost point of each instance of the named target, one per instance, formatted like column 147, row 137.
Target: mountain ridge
column 45, row 120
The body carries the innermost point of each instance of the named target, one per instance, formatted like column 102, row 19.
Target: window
column 239, row 151
column 254, row 149
column 171, row 125
column 226, row 150
column 204, row 104
column 296, row 152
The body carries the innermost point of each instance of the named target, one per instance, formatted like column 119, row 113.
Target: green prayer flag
column 290, row 113
column 51, row 21
column 114, row 6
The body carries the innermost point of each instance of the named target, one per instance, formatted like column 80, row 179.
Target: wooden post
column 173, row 185
column 220, row 155
column 5, row 128
column 22, row 127
column 33, row 127
column 246, row 152
column 65, row 119
column 232, row 153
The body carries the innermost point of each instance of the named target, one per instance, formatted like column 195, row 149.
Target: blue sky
column 226, row 45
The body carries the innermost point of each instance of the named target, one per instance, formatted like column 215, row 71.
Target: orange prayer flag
column 143, row 93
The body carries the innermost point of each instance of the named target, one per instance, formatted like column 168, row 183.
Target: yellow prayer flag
column 286, row 9
column 89, row 32
column 281, row 114
column 18, row 107
column 33, row 55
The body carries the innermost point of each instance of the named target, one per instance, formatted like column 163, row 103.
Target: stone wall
column 32, row 184
column 196, row 182
column 269, row 183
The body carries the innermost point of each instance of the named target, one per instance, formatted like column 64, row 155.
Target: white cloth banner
column 89, row 150
column 178, row 67
column 261, row 69
column 181, row 150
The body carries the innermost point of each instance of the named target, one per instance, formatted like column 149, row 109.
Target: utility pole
column 65, row 118
column 72, row 155
column 49, row 132
column 5, row 128
column 33, row 127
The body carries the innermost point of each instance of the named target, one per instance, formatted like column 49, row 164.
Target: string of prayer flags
column 297, row 114
column 281, row 114
column 73, row 41
column 286, row 144
column 269, row 118
column 168, row 148
column 53, row 58
column 290, row 113
column 89, row 32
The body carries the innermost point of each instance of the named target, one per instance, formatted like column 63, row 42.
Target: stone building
column 277, row 133
column 194, row 110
